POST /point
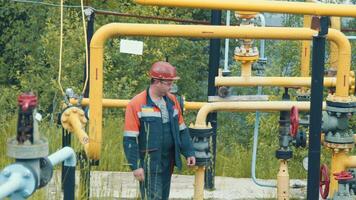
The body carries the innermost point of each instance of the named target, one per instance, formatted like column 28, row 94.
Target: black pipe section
column 90, row 33
column 69, row 183
column 66, row 142
column 318, row 61
column 214, row 60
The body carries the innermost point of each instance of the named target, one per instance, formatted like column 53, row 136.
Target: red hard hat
column 163, row 70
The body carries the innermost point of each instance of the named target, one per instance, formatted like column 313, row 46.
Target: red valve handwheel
column 324, row 181
column 294, row 121
column 27, row 100
column 343, row 175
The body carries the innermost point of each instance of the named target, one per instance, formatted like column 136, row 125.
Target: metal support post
column 90, row 14
column 318, row 61
column 214, row 59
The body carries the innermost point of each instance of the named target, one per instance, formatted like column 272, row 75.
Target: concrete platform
column 121, row 185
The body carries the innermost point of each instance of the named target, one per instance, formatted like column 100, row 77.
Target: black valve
column 200, row 139
column 300, row 139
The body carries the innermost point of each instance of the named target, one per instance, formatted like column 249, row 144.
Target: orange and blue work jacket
column 144, row 128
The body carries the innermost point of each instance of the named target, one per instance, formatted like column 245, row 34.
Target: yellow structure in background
column 116, row 29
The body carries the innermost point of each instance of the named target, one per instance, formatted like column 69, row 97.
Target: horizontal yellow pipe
column 251, row 106
column 193, row 31
column 304, row 8
column 122, row 103
column 270, row 81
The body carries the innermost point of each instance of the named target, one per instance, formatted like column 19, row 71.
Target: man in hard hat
column 155, row 134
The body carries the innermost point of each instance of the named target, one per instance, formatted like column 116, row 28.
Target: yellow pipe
column 79, row 132
column 305, row 53
column 270, row 81
column 339, row 162
column 269, row 106
column 283, row 181
column 116, row 29
column 335, row 24
column 199, row 183
column 304, row 8
column 122, row 103
column 246, row 69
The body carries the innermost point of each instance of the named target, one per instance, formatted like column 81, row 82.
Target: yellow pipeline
column 305, row 53
column 198, row 184
column 270, row 81
column 339, row 162
column 116, row 29
column 246, row 68
column 303, row 8
column 283, row 181
column 122, row 103
column 335, row 24
column 251, row 106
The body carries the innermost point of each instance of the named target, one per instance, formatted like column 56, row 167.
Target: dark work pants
column 157, row 183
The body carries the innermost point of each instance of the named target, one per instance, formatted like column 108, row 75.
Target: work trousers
column 157, row 183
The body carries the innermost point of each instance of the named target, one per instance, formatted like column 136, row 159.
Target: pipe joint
column 335, row 124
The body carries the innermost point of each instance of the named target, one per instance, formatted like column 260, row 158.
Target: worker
column 155, row 134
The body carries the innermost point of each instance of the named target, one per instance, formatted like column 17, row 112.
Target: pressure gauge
column 305, row 163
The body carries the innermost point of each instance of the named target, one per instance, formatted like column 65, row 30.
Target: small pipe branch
column 66, row 154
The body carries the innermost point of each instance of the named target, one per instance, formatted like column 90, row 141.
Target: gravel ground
column 121, row 185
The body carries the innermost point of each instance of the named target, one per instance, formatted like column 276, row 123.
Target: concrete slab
column 122, row 185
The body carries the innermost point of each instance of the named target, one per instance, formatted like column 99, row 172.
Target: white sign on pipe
column 131, row 47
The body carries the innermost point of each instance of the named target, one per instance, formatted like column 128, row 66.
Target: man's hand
column 139, row 174
column 191, row 161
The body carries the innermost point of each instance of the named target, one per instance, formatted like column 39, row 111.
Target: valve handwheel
column 343, row 176
column 324, row 181
column 294, row 121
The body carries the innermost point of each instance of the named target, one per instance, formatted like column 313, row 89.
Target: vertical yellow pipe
column 95, row 104
column 335, row 24
column 283, row 181
column 344, row 56
column 199, row 183
column 305, row 53
column 246, row 69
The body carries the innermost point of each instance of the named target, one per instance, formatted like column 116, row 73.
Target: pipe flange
column 245, row 14
column 36, row 150
column 284, row 154
column 201, row 133
column 339, row 147
column 26, row 174
column 73, row 112
column 46, row 172
column 202, row 162
column 337, row 101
